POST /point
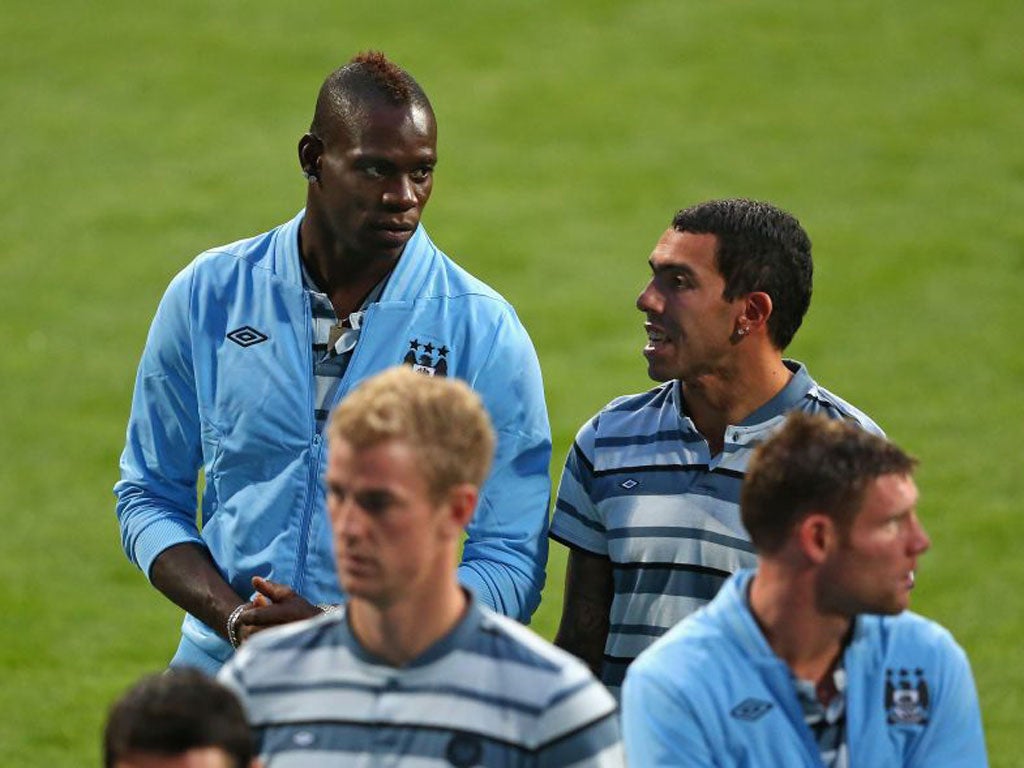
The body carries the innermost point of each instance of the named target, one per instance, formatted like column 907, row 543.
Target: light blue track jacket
column 226, row 384
column 711, row 692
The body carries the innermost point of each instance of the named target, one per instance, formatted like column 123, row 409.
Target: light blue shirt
column 711, row 692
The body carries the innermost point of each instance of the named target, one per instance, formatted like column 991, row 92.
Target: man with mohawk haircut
column 255, row 342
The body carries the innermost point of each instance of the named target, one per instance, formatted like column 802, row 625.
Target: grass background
column 135, row 136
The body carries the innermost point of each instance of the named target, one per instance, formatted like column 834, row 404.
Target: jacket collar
column 407, row 279
column 732, row 607
column 413, row 269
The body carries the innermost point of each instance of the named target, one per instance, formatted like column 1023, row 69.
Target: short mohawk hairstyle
column 391, row 78
column 368, row 77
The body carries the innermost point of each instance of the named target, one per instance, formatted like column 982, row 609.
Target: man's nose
column 346, row 518
column 401, row 193
column 648, row 300
column 920, row 542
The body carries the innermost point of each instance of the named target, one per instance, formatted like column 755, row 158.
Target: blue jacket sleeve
column 954, row 737
column 156, row 495
column 506, row 549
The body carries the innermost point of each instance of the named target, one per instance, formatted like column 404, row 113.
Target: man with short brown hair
column 812, row 659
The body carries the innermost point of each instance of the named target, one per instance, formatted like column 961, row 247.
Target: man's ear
column 310, row 149
column 817, row 536
column 462, row 500
column 757, row 308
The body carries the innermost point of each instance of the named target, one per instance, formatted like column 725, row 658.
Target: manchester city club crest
column 427, row 357
column 906, row 697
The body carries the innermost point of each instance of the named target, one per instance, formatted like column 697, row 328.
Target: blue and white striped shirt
column 333, row 343
column 827, row 722
column 490, row 693
column 640, row 486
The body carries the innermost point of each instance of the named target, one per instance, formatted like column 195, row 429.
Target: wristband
column 232, row 620
column 328, row 607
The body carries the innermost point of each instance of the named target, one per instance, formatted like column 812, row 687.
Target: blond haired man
column 413, row 668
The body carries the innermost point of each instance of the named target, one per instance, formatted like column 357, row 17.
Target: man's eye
column 373, row 171
column 420, row 175
column 375, row 503
column 682, row 281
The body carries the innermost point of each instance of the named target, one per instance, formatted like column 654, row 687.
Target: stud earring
column 310, row 176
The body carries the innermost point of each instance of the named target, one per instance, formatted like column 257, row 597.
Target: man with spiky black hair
column 648, row 501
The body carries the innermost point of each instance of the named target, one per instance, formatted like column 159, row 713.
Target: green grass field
column 136, row 136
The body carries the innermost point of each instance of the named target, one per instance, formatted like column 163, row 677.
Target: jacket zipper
column 317, row 443
column 314, row 454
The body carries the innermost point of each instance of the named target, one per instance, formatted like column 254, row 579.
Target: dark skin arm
column 187, row 576
column 185, row 573
column 589, row 589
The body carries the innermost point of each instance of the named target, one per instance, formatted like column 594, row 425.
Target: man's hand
column 274, row 604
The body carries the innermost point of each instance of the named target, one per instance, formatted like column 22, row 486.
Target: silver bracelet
column 232, row 620
column 328, row 607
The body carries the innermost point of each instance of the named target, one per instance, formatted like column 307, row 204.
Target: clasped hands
column 273, row 604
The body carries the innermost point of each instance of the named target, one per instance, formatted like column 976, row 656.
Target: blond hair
column 441, row 419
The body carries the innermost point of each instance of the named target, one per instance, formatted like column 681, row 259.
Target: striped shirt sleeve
column 577, row 522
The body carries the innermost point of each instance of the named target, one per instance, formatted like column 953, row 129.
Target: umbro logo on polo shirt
column 751, row 709
column 246, row 336
column 304, row 739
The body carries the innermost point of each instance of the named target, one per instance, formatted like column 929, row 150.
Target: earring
column 742, row 331
column 310, row 176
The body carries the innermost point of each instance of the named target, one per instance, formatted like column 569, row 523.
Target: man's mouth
column 355, row 561
column 394, row 225
column 655, row 336
column 393, row 232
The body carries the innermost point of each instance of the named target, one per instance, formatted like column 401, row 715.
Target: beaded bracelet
column 232, row 620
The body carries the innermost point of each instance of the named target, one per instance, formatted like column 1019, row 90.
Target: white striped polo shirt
column 333, row 342
column 640, row 487
column 490, row 693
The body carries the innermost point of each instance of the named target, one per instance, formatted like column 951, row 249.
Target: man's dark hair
column 813, row 464
column 760, row 248
column 368, row 78
column 173, row 712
